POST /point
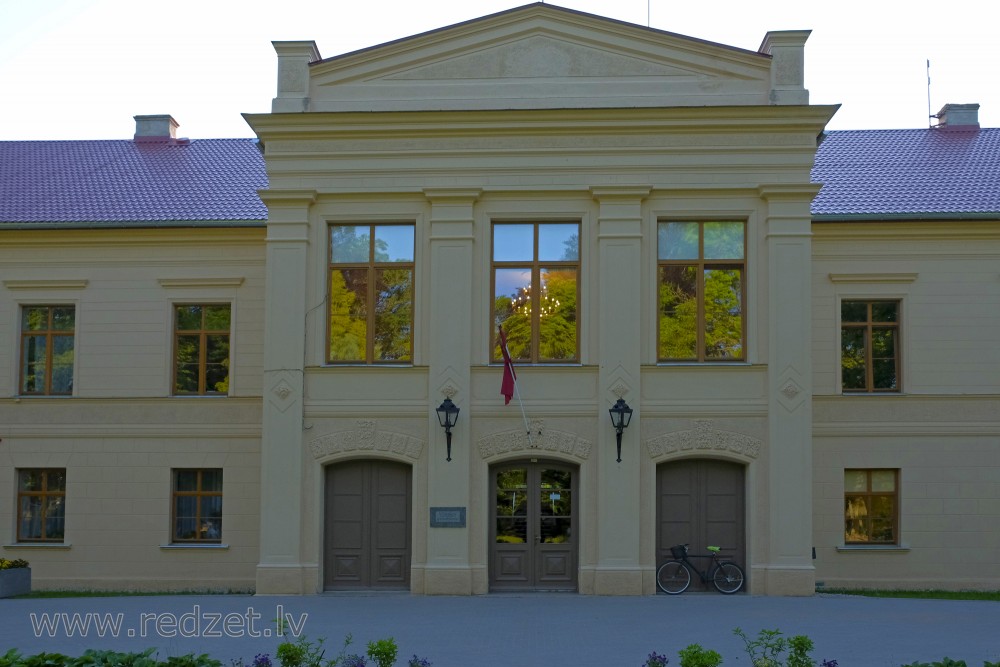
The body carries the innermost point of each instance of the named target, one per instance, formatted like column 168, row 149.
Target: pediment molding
column 540, row 57
column 542, row 440
column 366, row 437
column 704, row 437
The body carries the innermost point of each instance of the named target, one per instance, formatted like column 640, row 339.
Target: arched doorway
column 533, row 526
column 701, row 502
column 367, row 535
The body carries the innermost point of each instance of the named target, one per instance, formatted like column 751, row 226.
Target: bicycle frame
column 674, row 576
column 711, row 568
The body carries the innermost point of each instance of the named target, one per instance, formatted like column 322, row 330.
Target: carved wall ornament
column 366, row 437
column 791, row 390
column 516, row 441
column 704, row 437
column 282, row 390
column 619, row 390
column 449, row 391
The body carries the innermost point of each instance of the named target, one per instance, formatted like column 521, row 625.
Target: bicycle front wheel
column 673, row 577
column 728, row 578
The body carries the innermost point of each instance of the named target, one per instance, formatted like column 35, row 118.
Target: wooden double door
column 701, row 502
column 367, row 537
column 533, row 534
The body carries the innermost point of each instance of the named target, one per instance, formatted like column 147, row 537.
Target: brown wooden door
column 533, row 533
column 701, row 503
column 367, row 537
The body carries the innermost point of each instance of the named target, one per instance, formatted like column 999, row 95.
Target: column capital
column 788, row 191
column 455, row 195
column 638, row 192
column 287, row 198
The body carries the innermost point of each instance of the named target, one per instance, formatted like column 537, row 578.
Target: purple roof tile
column 930, row 173
column 866, row 174
column 120, row 181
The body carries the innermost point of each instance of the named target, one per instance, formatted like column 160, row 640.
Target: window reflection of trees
column 536, row 289
column 371, row 293
column 700, row 291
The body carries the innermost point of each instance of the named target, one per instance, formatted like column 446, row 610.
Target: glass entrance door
column 533, row 532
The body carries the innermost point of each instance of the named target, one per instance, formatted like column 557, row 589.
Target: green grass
column 118, row 594
column 991, row 596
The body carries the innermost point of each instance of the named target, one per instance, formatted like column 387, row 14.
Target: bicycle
column 674, row 576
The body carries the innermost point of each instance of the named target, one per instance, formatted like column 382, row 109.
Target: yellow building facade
column 255, row 406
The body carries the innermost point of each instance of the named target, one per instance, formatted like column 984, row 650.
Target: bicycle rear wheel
column 728, row 578
column 673, row 577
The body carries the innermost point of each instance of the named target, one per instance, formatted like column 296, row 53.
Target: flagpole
column 508, row 366
column 527, row 429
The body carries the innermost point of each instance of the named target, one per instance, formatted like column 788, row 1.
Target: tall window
column 371, row 294
column 201, row 349
column 47, row 335
column 41, row 505
column 197, row 507
column 869, row 346
column 536, row 271
column 701, row 291
column 871, row 506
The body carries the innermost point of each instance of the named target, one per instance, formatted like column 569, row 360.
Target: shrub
column 655, row 660
column 12, row 564
column 301, row 653
column 383, row 652
column 696, row 656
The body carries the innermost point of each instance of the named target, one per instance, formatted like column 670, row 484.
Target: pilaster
column 788, row 568
column 281, row 570
column 619, row 242
column 447, row 570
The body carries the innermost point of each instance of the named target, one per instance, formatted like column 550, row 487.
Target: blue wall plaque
column 447, row 517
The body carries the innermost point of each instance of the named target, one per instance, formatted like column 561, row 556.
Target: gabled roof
column 937, row 173
column 866, row 175
column 140, row 183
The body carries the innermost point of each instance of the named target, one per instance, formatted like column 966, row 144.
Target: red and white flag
column 509, row 376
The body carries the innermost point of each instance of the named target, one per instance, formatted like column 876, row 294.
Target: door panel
column 533, row 527
column 702, row 503
column 367, row 537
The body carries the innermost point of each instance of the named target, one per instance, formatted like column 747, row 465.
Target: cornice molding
column 873, row 277
column 201, row 282
column 45, row 284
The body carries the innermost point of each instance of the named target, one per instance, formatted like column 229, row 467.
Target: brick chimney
column 959, row 116
column 155, row 128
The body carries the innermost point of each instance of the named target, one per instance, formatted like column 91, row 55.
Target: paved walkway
column 535, row 630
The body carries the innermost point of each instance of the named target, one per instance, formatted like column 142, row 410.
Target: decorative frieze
column 704, row 436
column 542, row 440
column 366, row 437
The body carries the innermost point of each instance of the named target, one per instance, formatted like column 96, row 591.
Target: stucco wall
column 941, row 431
column 122, row 433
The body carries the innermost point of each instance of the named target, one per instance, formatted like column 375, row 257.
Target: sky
column 81, row 69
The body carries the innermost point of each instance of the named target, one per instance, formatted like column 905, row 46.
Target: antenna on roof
column 929, row 114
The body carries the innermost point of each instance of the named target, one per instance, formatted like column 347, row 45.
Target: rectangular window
column 47, row 348
column 201, row 349
column 41, row 505
column 536, row 277
column 371, row 293
column 869, row 346
column 701, row 269
column 871, row 506
column 197, row 506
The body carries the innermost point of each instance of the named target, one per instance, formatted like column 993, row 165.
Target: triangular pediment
column 539, row 56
